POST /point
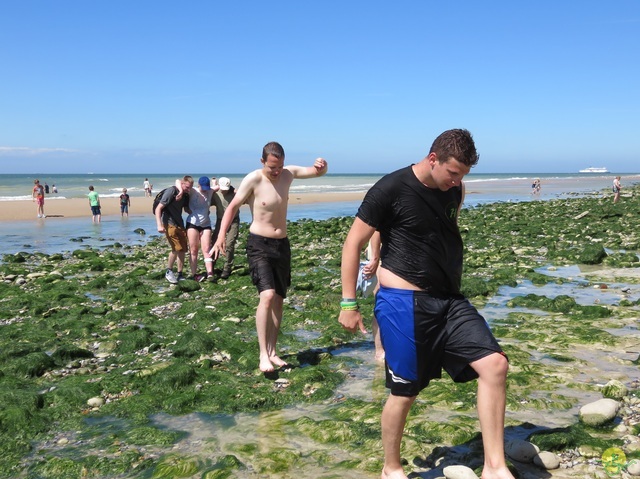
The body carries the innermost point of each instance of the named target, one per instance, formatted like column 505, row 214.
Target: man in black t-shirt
column 426, row 324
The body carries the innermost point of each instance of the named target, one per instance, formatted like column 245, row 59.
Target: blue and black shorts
column 423, row 334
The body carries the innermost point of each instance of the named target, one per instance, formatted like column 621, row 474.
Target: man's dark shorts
column 269, row 263
column 422, row 334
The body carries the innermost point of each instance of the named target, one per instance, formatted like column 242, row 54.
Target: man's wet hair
column 457, row 143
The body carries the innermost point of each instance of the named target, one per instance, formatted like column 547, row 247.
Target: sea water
column 52, row 235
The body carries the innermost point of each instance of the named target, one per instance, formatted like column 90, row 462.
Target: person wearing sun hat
column 221, row 200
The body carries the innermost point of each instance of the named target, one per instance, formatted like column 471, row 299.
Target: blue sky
column 160, row 87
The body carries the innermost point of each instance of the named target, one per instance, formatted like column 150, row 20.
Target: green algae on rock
column 104, row 323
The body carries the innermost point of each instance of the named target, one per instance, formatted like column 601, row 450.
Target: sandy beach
column 77, row 207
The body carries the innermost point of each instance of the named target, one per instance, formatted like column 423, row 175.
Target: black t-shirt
column 418, row 227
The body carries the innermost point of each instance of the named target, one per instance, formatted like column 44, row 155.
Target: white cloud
column 28, row 151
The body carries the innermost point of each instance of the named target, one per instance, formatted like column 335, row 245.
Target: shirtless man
column 268, row 251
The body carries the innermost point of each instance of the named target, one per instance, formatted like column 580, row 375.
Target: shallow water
column 218, row 435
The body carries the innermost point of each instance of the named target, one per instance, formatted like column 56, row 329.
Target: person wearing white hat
column 221, row 200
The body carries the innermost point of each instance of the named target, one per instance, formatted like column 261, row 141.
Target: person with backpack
column 167, row 207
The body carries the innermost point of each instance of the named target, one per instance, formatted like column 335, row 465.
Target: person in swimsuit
column 266, row 191
column 426, row 324
column 617, row 186
column 38, row 196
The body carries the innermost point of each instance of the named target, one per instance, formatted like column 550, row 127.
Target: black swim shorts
column 269, row 263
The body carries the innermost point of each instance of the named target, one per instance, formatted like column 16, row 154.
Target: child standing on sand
column 94, row 203
column 125, row 202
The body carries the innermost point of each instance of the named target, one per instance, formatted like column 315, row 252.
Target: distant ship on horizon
column 595, row 169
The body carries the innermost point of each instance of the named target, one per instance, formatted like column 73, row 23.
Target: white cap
column 225, row 183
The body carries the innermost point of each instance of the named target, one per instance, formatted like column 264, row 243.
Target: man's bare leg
column 492, row 371
column 377, row 342
column 394, row 417
column 194, row 241
column 264, row 325
column 205, row 241
column 276, row 320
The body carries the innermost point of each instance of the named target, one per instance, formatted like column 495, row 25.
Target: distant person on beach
column 535, row 187
column 46, row 188
column 54, row 188
column 147, row 187
column 221, row 200
column 425, row 322
column 94, row 203
column 617, row 186
column 199, row 232
column 169, row 221
column 38, row 196
column 266, row 190
column 125, row 202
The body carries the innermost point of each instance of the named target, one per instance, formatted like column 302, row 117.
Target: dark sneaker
column 225, row 274
column 181, row 277
column 171, row 277
column 199, row 277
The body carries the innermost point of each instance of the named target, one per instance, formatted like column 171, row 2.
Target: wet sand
column 78, row 207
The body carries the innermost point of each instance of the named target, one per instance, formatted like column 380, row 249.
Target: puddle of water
column 305, row 335
column 582, row 292
column 213, row 436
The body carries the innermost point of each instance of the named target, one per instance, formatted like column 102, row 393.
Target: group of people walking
column 425, row 323
column 198, row 232
column 410, row 218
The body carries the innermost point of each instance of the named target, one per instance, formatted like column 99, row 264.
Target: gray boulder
column 547, row 460
column 521, row 451
column 599, row 412
column 459, row 472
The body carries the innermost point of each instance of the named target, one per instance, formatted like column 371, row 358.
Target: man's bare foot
column 397, row 474
column 499, row 473
column 277, row 361
column 266, row 366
